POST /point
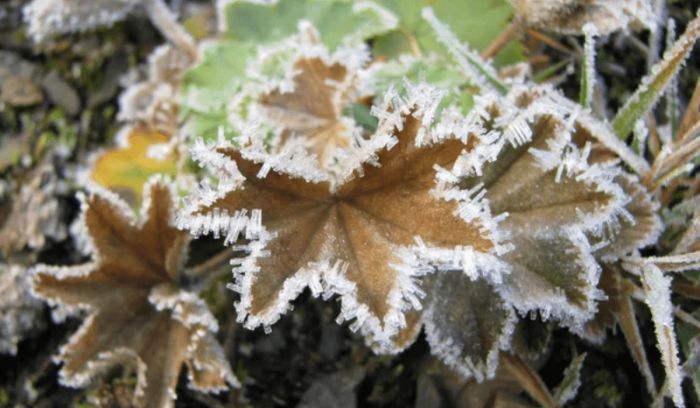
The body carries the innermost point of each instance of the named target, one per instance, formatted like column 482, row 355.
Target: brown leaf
column 313, row 110
column 467, row 323
column 347, row 235
column 569, row 16
column 136, row 310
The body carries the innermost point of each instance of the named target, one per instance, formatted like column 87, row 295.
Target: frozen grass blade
column 672, row 96
column 657, row 294
column 478, row 71
column 654, row 84
column 567, row 389
column 588, row 65
column 630, row 329
column 529, row 380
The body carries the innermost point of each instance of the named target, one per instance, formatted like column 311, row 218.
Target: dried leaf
column 125, row 168
column 155, row 102
column 638, row 231
column 346, row 238
column 467, row 323
column 570, row 16
column 312, row 108
column 550, row 202
column 136, row 310
column 50, row 17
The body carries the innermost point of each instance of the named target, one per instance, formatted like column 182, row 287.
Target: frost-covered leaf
column 348, row 234
column 136, row 310
column 313, row 109
column 638, row 231
column 570, row 16
column 50, row 17
column 467, row 323
column 552, row 196
column 569, row 385
column 126, row 167
column 531, row 338
column 653, row 85
column 433, row 69
column 20, row 312
column 339, row 22
column 155, row 102
column 313, row 96
column 657, row 291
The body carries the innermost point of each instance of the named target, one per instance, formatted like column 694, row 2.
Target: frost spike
column 654, row 84
column 479, row 72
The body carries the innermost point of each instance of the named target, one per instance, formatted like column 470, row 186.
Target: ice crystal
column 137, row 312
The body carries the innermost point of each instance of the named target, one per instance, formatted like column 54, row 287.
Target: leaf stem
column 165, row 21
column 213, row 262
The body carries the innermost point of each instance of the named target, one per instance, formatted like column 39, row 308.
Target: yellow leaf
column 124, row 170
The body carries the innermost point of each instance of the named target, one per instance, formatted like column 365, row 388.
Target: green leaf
column 435, row 70
column 208, row 87
column 476, row 22
column 654, row 85
column 337, row 21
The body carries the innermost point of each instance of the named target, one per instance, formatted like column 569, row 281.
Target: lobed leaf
column 137, row 313
column 339, row 22
column 125, row 169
